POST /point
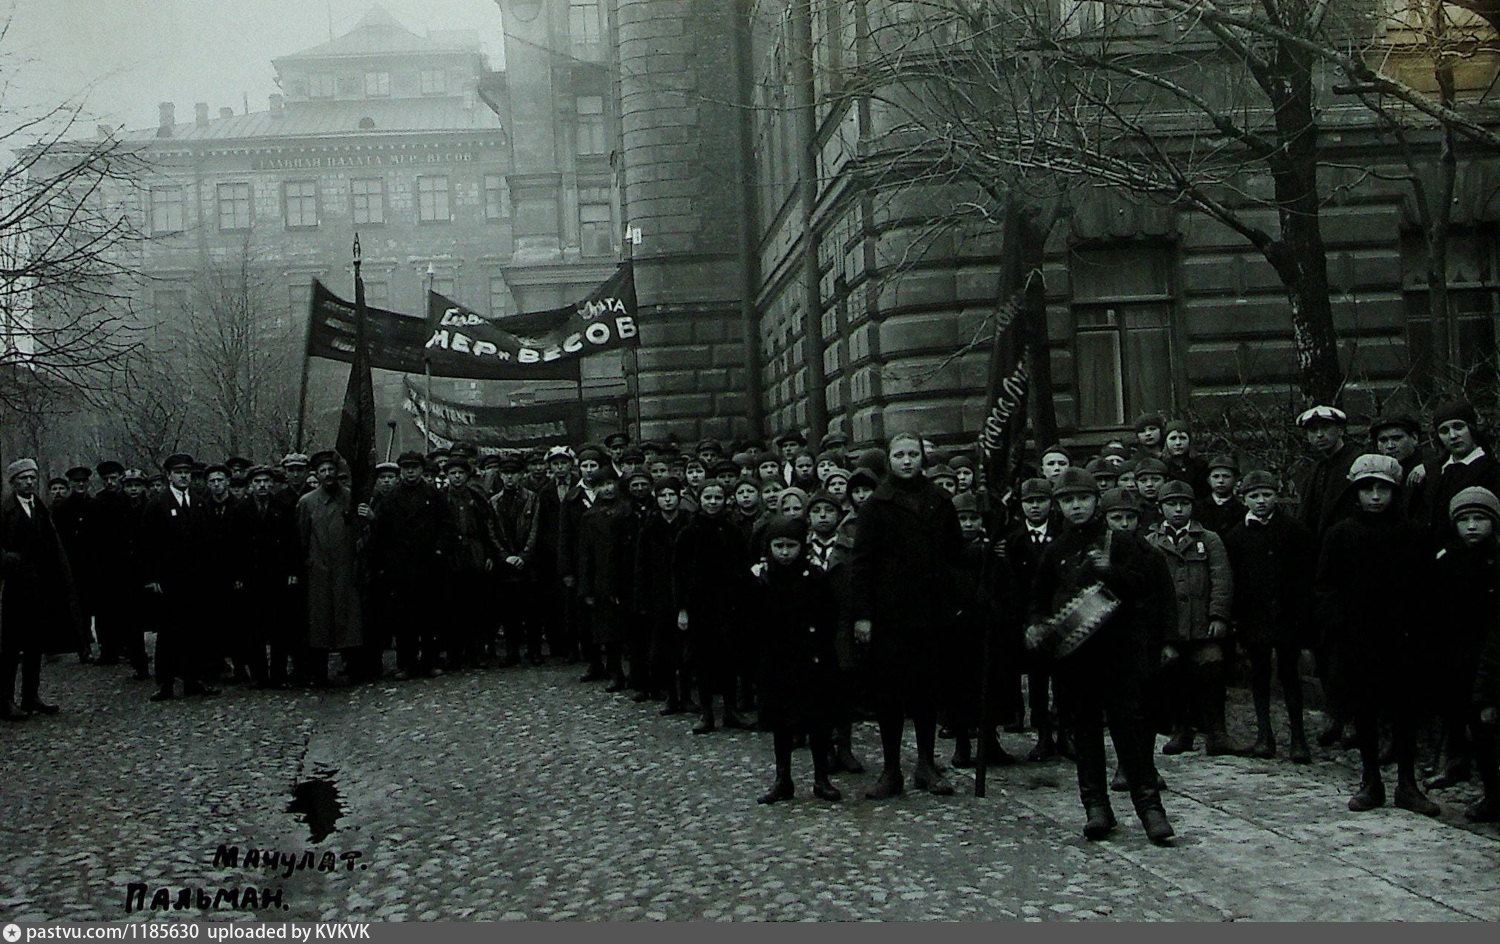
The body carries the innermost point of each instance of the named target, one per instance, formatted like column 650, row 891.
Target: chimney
column 276, row 103
column 168, row 113
column 226, row 112
column 200, row 114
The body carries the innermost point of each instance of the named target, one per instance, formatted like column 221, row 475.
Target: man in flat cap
column 476, row 549
column 115, row 585
column 223, row 584
column 73, row 516
column 174, row 557
column 789, row 443
column 294, row 467
column 515, row 527
column 580, row 498
column 38, row 612
column 411, row 542
column 615, row 445
column 269, row 565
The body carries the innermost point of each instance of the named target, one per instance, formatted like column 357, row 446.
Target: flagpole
column 306, row 366
column 427, row 369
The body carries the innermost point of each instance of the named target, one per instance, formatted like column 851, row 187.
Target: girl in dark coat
column 905, row 550
column 1371, row 571
column 653, row 595
column 709, row 568
column 793, row 617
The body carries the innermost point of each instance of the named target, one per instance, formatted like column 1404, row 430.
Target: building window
column 595, row 229
column 433, row 81
column 432, row 200
column 234, row 207
column 377, row 85
column 1122, row 333
column 367, row 199
column 323, row 85
column 496, row 197
column 377, row 293
column 301, row 201
column 585, row 28
column 499, row 297
column 166, row 210
column 1473, row 306
column 591, row 125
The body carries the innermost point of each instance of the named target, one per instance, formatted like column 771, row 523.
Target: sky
column 124, row 56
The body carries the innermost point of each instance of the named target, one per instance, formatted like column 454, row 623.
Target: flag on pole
column 356, row 442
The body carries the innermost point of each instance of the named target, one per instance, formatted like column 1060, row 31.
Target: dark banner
column 504, row 427
column 603, row 321
column 399, row 342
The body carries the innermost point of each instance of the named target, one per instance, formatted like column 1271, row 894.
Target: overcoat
column 1201, row 578
column 39, row 610
column 792, row 619
column 329, row 533
column 1273, row 566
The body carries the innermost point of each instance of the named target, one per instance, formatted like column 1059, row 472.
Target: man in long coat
column 411, row 540
column 38, row 611
column 174, row 561
column 268, row 564
column 73, row 517
column 329, row 532
column 115, row 589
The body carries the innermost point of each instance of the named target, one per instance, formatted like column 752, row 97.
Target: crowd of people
column 821, row 588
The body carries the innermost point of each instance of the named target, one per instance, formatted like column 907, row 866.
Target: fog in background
column 124, row 56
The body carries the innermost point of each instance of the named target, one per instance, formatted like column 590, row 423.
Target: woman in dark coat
column 905, row 551
column 793, row 618
column 709, row 568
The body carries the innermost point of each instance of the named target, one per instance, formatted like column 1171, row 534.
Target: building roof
column 322, row 119
column 377, row 34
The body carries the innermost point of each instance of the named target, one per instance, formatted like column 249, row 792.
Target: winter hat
column 942, row 472
column 1377, row 467
column 1115, row 454
column 1178, row 426
column 961, row 462
column 765, row 457
column 784, row 526
column 1455, row 410
column 380, row 467
column 1175, row 489
column 20, row 466
column 1036, row 488
column 966, row 502
column 1258, row 478
column 633, row 476
column 1148, row 419
column 794, row 492
column 670, row 482
column 821, row 496
column 1057, row 448
column 1097, row 467
column 1399, row 420
column 863, row 476
column 1119, row 499
column 1224, row 461
column 1074, row 481
column 724, row 467
column 1150, row 465
column 837, row 473
column 1475, row 498
column 875, row 460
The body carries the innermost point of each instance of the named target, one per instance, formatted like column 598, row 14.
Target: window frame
column 220, row 202
column 287, row 198
column 447, row 193
column 354, row 198
column 425, row 88
column 158, row 228
column 496, row 199
column 382, row 84
column 315, row 85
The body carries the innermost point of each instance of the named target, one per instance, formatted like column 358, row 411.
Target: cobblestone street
column 521, row 794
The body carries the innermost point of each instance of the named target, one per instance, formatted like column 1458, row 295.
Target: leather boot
column 926, row 777
column 890, row 784
column 782, row 789
column 1409, row 796
column 1181, row 742
column 1370, row 795
column 962, row 757
column 843, row 752
column 1264, row 747
column 1118, row 783
column 1065, row 744
column 1297, row 751
column 824, row 790
column 1101, row 822
column 1158, row 829
column 705, row 722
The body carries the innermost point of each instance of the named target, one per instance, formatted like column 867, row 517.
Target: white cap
column 1327, row 414
column 1374, row 466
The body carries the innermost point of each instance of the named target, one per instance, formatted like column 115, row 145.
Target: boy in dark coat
column 1221, row 509
column 710, row 566
column 793, row 618
column 1272, row 556
column 1370, row 574
column 1466, row 578
column 984, row 592
column 598, row 566
column 653, row 597
column 1022, row 549
column 1105, row 674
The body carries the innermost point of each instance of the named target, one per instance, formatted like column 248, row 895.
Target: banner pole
column 306, row 365
column 427, row 370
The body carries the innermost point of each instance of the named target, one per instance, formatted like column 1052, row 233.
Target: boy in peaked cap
column 1022, row 549
column 1467, row 580
column 986, row 606
column 1200, row 570
column 1220, row 508
column 1272, row 556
